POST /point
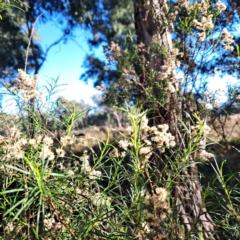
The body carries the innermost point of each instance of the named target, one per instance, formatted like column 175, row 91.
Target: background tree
column 154, row 30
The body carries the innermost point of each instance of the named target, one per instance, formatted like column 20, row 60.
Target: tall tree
column 154, row 31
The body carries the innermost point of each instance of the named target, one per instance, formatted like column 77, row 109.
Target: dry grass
column 92, row 137
column 225, row 128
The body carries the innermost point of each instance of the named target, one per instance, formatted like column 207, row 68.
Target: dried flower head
column 46, row 153
column 112, row 52
column 227, row 39
column 26, row 85
column 48, row 141
column 60, row 152
column 67, row 140
column 220, row 6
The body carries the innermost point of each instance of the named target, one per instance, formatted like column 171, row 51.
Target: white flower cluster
column 204, row 25
column 168, row 71
column 205, row 22
column 227, row 39
column 67, row 140
column 159, row 203
column 156, row 137
column 15, row 146
column 46, row 153
column 112, row 52
column 27, row 86
column 85, row 194
column 99, row 200
column 51, row 224
column 85, row 167
column 204, row 155
column 14, row 150
column 202, row 7
column 220, row 6
column 205, row 129
column 213, row 98
column 183, row 4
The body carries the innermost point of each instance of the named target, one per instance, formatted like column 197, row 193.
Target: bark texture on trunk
column 152, row 27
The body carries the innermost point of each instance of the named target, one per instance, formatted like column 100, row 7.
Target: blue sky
column 65, row 60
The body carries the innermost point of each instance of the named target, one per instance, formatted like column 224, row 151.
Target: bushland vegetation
column 156, row 170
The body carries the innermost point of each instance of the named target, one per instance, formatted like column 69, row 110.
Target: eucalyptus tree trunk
column 153, row 31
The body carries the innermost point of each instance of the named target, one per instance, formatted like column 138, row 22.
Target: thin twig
column 61, row 219
column 29, row 42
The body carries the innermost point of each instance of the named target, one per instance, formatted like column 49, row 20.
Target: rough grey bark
column 151, row 25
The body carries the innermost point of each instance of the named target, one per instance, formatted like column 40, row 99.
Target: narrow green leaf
column 24, row 207
column 13, row 190
column 17, row 169
column 13, row 207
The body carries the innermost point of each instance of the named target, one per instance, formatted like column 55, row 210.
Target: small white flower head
column 162, row 193
column 60, row 152
column 26, row 85
column 46, row 153
column 124, row 144
column 14, row 132
column 208, row 106
column 163, row 128
column 70, row 173
column 145, row 150
column 220, row 6
column 129, row 130
column 61, row 166
column 95, row 174
column 172, row 144
column 204, row 155
column 33, row 142
column 39, row 139
column 85, row 167
column 114, row 153
column 48, row 141
column 17, row 153
column 171, row 88
column 227, row 39
column 238, row 97
column 49, row 223
column 144, row 122
column 147, row 142
column 67, row 140
column 10, row 227
column 206, row 129
column 99, row 200
column 201, row 36
column 23, row 141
